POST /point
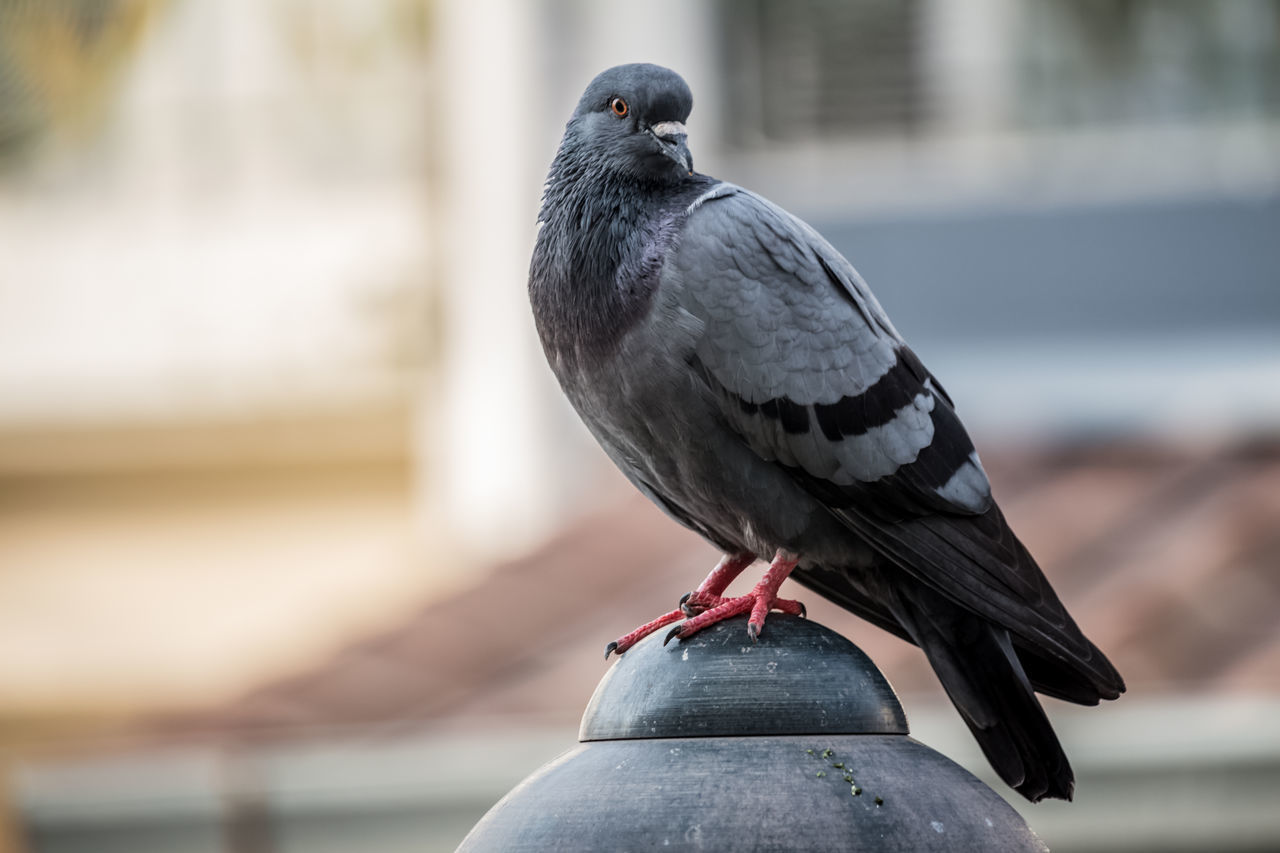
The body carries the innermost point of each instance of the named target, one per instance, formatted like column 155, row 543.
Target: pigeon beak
column 674, row 139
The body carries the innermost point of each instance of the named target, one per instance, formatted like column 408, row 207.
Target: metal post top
column 799, row 678
column 796, row 742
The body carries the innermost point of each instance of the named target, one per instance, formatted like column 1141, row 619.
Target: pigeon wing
column 809, row 372
column 808, row 369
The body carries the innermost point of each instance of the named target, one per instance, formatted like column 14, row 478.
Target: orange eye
column 619, row 107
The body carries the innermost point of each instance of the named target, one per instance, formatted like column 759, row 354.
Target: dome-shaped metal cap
column 799, row 678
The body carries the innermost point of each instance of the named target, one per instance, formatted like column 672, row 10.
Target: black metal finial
column 796, row 742
column 798, row 678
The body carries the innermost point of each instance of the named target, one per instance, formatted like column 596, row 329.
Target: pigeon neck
column 602, row 243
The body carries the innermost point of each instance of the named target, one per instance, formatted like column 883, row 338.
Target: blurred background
column 300, row 549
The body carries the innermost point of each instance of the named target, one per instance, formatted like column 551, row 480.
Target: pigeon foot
column 761, row 599
column 705, row 597
column 693, row 604
column 626, row 641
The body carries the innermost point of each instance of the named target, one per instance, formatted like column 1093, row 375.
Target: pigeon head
column 631, row 121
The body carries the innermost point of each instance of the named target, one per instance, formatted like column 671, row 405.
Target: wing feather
column 808, row 370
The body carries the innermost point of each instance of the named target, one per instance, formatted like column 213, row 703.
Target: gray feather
column 788, row 319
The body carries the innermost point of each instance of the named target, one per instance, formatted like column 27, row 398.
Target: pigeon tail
column 983, row 677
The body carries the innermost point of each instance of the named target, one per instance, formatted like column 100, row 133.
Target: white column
column 482, row 437
column 969, row 62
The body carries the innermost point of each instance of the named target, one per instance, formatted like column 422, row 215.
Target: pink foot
column 694, row 604
column 761, row 599
column 626, row 641
column 706, row 595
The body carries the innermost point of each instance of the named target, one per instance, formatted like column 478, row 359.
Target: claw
column 706, row 605
column 804, row 611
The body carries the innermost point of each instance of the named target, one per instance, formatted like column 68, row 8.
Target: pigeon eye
column 619, row 107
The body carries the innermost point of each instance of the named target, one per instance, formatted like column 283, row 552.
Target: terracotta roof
column 1168, row 556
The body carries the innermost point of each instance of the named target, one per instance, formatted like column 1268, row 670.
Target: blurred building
column 279, row 458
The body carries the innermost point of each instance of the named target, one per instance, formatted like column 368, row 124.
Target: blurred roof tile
column 1168, row 556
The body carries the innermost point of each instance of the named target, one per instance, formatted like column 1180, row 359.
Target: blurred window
column 832, row 70
column 1123, row 61
column 823, row 68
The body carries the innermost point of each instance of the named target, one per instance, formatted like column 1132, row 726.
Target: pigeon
column 741, row 374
